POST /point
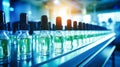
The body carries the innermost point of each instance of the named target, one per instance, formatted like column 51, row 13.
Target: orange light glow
column 64, row 9
column 62, row 12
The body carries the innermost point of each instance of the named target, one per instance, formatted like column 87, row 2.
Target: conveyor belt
column 78, row 56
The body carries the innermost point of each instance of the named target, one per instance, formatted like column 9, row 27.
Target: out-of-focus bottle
column 41, row 38
column 45, row 40
column 58, row 37
column 36, row 44
column 52, row 36
column 76, row 33
column 35, row 38
column 68, row 37
column 13, row 41
column 87, row 33
column 5, row 47
column 51, row 28
column 24, row 40
column 32, row 30
column 81, row 34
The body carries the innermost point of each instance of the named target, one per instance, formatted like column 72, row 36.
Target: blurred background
column 98, row 12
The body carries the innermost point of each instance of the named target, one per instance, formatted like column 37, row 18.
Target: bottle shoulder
column 4, row 35
column 23, row 34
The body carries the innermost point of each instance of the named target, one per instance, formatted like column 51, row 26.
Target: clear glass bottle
column 86, row 39
column 52, row 41
column 68, row 36
column 80, row 37
column 24, row 40
column 36, row 44
column 68, row 41
column 90, row 36
column 42, row 39
column 45, row 42
column 75, row 35
column 42, row 43
column 58, row 42
column 45, row 39
column 5, row 47
column 58, row 37
column 81, row 34
column 24, row 45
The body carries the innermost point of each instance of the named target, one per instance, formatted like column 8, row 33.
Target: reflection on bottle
column 75, row 41
column 44, row 43
column 45, row 40
column 68, row 41
column 24, row 40
column 80, row 38
column 1, row 52
column 4, row 48
column 36, row 44
column 58, row 37
column 68, row 36
column 58, row 43
column 76, row 34
column 24, row 47
column 4, row 41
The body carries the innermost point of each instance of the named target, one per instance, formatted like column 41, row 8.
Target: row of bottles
column 26, row 40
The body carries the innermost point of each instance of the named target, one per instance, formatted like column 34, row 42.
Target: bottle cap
column 49, row 25
column 58, row 23
column 69, row 24
column 83, row 27
column 2, row 21
column 53, row 27
column 44, row 22
column 80, row 26
column 75, row 25
column 24, row 22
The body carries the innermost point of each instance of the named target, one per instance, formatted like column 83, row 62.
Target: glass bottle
column 41, row 38
column 52, row 36
column 24, row 40
column 13, row 41
column 5, row 47
column 75, row 35
column 58, row 42
column 80, row 37
column 68, row 37
column 36, row 44
column 24, row 45
column 68, row 41
column 45, row 42
column 80, row 34
column 35, row 39
column 58, row 37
